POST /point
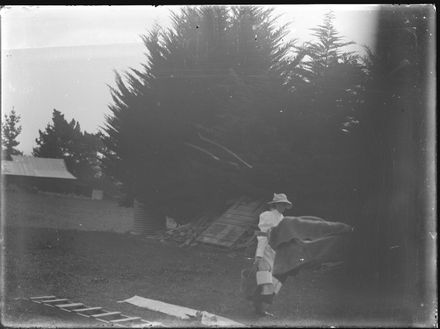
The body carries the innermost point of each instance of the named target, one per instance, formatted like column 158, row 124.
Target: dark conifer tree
column 190, row 124
column 11, row 128
column 65, row 140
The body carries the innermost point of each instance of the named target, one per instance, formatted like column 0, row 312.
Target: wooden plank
column 245, row 206
column 218, row 230
column 243, row 210
column 249, row 205
column 231, row 221
column 105, row 314
column 223, row 243
column 207, row 239
column 214, row 229
column 226, row 229
column 88, row 309
column 126, row 319
column 55, row 300
column 213, row 236
column 215, row 241
column 234, row 232
column 69, row 305
column 240, row 214
column 41, row 297
column 232, row 236
column 243, row 214
column 225, row 232
column 238, row 218
column 249, row 209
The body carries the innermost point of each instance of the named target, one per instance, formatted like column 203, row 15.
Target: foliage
column 65, row 140
column 11, row 128
column 226, row 106
column 328, row 89
column 325, row 53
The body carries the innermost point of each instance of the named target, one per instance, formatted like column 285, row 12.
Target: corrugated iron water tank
column 145, row 221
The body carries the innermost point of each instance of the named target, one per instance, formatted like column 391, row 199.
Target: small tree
column 10, row 131
column 326, row 51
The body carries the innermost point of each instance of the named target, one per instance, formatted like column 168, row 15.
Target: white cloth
column 268, row 220
column 207, row 319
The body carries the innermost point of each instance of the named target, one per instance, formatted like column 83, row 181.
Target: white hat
column 280, row 198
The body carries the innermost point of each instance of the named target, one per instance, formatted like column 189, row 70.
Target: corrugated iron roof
column 22, row 165
column 232, row 224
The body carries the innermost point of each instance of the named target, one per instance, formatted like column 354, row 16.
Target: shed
column 44, row 173
column 22, row 165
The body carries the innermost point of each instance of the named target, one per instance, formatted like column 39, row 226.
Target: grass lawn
column 99, row 267
column 63, row 212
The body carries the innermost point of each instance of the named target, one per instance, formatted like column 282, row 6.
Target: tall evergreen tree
column 326, row 52
column 11, row 128
column 334, row 79
column 200, row 107
column 325, row 83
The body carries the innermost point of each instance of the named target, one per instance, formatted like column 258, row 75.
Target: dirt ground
column 100, row 267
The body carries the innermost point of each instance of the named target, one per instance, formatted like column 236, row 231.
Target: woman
column 268, row 285
column 298, row 243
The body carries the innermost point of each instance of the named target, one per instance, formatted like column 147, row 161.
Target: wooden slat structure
column 230, row 226
column 115, row 319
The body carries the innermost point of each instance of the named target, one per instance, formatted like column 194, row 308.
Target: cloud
column 55, row 26
column 73, row 80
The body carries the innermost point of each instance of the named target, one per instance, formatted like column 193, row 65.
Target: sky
column 64, row 57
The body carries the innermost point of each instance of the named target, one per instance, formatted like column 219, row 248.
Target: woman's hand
column 258, row 260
